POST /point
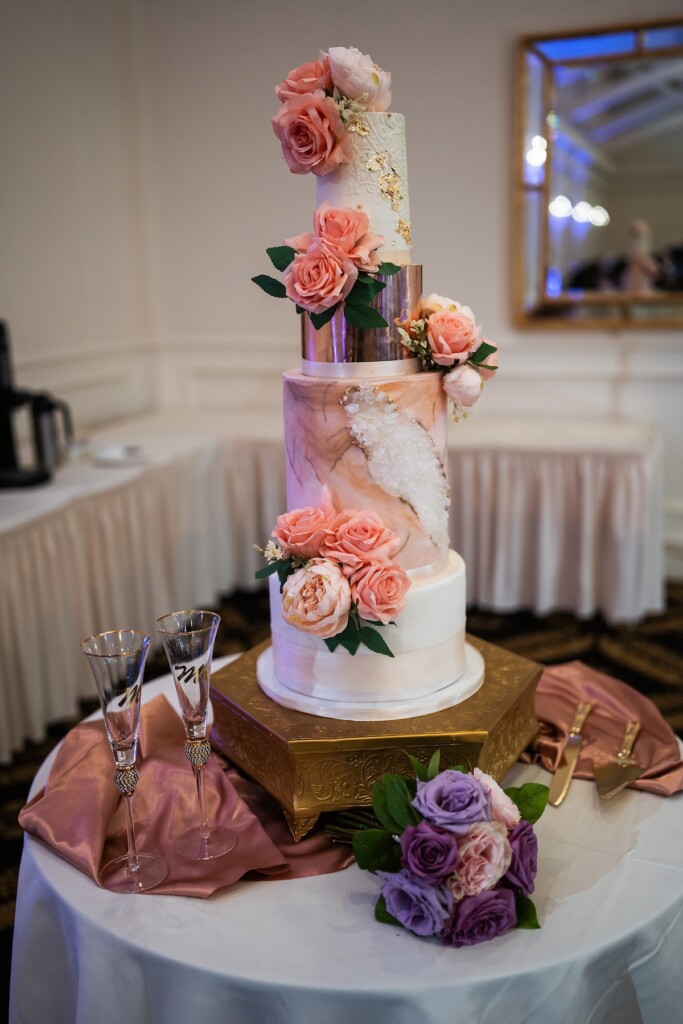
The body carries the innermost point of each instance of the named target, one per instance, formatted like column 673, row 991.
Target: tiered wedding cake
column 367, row 600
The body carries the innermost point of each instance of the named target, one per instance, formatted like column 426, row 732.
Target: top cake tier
column 375, row 180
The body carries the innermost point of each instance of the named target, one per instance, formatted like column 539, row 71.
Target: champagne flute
column 188, row 638
column 117, row 659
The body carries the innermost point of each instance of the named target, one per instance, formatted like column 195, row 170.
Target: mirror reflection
column 599, row 170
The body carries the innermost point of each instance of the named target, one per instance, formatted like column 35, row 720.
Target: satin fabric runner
column 80, row 815
column 559, row 691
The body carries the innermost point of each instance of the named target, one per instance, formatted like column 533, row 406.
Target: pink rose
column 301, row 243
column 491, row 364
column 314, row 74
column 358, row 78
column 347, row 230
column 463, row 385
column 366, row 253
column 485, row 856
column 452, row 334
column 301, row 531
column 319, row 278
column 311, row 134
column 356, row 538
column 317, row 599
column 503, row 809
column 380, row 591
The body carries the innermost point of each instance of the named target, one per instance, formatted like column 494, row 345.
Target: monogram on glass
column 117, row 660
column 188, row 638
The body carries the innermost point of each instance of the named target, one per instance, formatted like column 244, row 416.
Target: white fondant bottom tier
column 427, row 642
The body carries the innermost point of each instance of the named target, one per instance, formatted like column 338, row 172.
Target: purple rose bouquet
column 457, row 855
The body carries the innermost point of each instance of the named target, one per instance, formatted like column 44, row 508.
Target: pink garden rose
column 317, row 599
column 301, row 531
column 357, row 538
column 358, row 78
column 319, row 278
column 491, row 366
column 463, row 385
column 311, row 134
column 485, row 856
column 314, row 74
column 346, row 231
column 452, row 335
column 379, row 591
column 503, row 809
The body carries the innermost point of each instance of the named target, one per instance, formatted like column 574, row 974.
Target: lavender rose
column 420, row 907
column 429, row 853
column 522, row 871
column 480, row 918
column 453, row 801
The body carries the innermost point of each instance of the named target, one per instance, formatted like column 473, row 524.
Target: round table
column 609, row 895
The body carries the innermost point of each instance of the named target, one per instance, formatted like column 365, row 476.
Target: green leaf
column 374, row 641
column 381, row 808
column 300, row 309
column 482, row 353
column 526, row 912
column 420, row 769
column 433, row 766
column 363, row 316
column 365, row 291
column 399, row 802
column 320, row 319
column 281, row 256
column 266, row 570
column 531, row 798
column 376, row 850
column 270, row 286
column 284, row 570
column 388, row 269
column 383, row 915
column 333, row 642
column 349, row 640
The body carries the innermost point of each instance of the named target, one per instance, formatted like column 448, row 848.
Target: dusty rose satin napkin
column 559, row 691
column 80, row 815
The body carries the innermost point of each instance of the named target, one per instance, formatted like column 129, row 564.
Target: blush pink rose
column 485, row 856
column 302, row 243
column 312, row 135
column 319, row 278
column 379, row 591
column 503, row 809
column 463, row 386
column 356, row 538
column 359, row 78
column 314, row 74
column 491, row 366
column 301, row 531
column 452, row 335
column 317, row 599
column 347, row 230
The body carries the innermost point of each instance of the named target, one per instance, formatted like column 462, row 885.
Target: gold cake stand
column 311, row 765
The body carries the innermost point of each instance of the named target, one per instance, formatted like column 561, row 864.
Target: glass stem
column 133, row 865
column 203, row 821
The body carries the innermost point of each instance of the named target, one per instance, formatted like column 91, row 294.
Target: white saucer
column 119, row 455
column 454, row 693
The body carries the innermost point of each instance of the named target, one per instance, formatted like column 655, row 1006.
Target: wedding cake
column 367, row 600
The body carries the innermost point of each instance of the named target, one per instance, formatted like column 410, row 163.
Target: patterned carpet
column 648, row 656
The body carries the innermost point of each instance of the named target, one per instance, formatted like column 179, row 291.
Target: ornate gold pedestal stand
column 311, row 764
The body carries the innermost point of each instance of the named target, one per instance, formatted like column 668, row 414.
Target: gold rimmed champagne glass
column 188, row 638
column 117, row 660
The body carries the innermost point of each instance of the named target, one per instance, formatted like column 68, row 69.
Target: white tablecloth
column 546, row 514
column 609, row 894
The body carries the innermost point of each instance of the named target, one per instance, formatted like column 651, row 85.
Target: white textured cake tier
column 376, row 181
column 427, row 641
column 377, row 445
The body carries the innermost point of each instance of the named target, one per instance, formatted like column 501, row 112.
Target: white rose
column 356, row 76
column 463, row 386
column 435, row 302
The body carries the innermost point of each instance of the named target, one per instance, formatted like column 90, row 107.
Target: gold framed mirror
column 598, row 175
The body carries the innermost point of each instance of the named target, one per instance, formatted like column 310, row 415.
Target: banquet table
column 609, row 895
column 548, row 514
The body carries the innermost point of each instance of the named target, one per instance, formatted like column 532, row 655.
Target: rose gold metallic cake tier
column 377, row 444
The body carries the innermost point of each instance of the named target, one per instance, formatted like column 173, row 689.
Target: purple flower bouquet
column 457, row 854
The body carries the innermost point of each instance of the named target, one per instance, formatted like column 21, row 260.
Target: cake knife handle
column 582, row 712
column 632, row 730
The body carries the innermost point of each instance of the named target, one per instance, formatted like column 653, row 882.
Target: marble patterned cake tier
column 377, row 444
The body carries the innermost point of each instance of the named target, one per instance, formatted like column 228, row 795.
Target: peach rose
column 503, row 809
column 301, row 531
column 485, row 856
column 319, row 278
column 356, row 538
column 452, row 334
column 379, row 591
column 311, row 134
column 347, row 230
column 301, row 242
column 317, row 599
column 358, row 78
column 463, row 385
column 491, row 366
column 314, row 74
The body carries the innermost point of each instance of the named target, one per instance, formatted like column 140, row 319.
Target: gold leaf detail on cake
column 376, row 161
column 357, row 125
column 403, row 229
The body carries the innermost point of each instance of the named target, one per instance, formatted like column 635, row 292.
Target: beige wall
column 141, row 184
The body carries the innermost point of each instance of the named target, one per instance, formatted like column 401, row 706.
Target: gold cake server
column 570, row 754
column 612, row 776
